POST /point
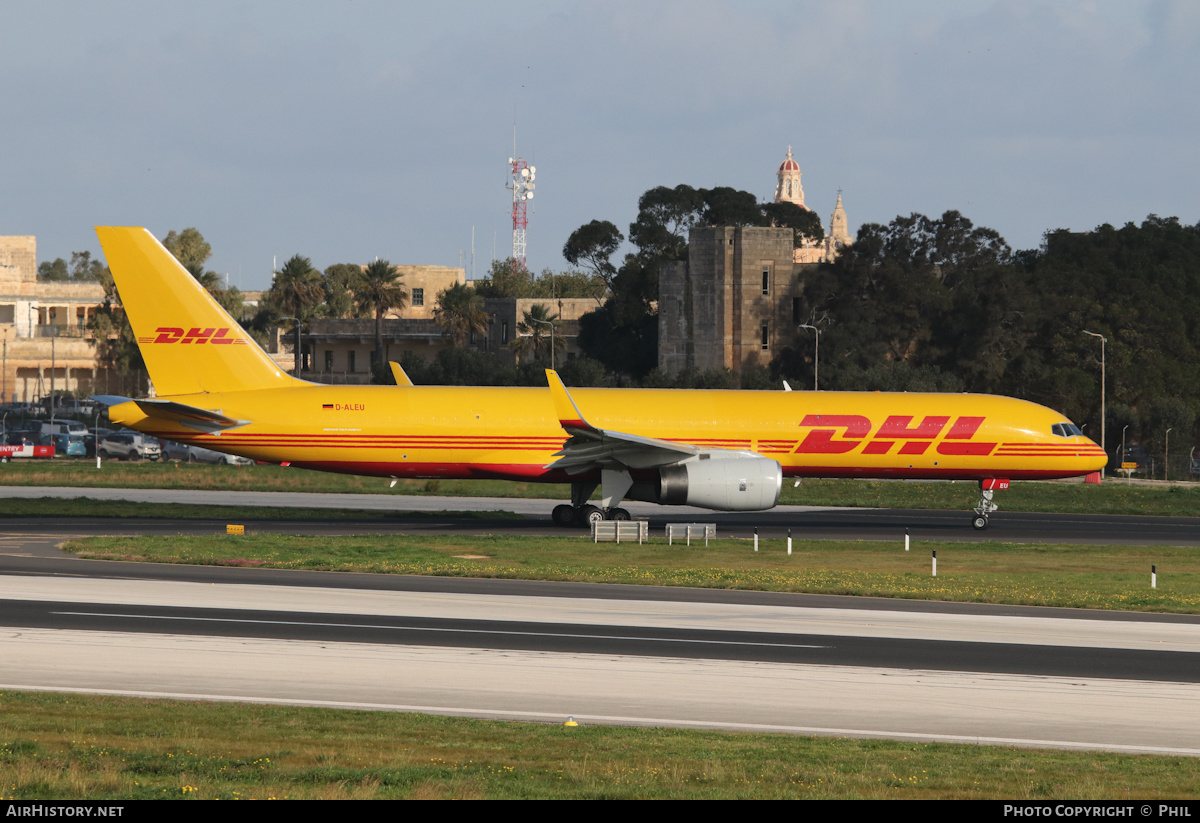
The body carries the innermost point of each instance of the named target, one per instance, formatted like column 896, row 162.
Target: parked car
column 21, row 437
column 60, row 426
column 198, row 454
column 129, row 446
column 69, row 445
column 92, row 435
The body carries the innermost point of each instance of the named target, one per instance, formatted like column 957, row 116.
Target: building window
column 328, row 360
column 504, row 332
column 766, row 271
column 766, row 336
column 418, row 297
column 350, row 355
column 795, row 310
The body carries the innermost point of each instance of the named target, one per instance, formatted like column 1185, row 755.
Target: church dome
column 789, row 164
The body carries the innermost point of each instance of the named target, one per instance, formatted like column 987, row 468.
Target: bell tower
column 839, row 231
column 789, row 190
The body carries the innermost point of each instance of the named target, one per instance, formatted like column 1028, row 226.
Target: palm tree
column 460, row 313
column 379, row 289
column 297, row 290
column 536, row 332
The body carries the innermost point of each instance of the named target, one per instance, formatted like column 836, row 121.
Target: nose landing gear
column 987, row 490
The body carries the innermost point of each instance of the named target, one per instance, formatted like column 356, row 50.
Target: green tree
column 339, row 281
column 725, row 206
column 84, row 268
column 806, row 224
column 505, row 279
column 937, row 293
column 192, row 251
column 189, row 247
column 116, row 347
column 378, row 289
column 296, row 291
column 593, row 244
column 665, row 216
column 53, row 271
column 459, row 312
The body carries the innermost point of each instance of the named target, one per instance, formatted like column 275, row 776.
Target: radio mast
column 522, row 188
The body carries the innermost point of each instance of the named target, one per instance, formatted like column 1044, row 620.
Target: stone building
column 736, row 299
column 424, row 283
column 731, row 303
column 339, row 351
column 43, row 329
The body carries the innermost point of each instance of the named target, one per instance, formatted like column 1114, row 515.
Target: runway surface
column 804, row 521
column 604, row 654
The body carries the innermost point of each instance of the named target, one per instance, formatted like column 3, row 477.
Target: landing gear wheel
column 563, row 515
column 979, row 522
column 618, row 514
column 590, row 514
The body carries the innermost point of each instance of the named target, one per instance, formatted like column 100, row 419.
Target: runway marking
column 557, row 717
column 442, row 630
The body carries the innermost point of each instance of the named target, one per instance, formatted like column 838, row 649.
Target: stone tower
column 839, row 230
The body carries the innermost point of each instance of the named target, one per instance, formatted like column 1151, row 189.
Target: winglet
column 398, row 373
column 569, row 416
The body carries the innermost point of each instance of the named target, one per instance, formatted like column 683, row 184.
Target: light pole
column 816, row 352
column 1122, row 461
column 1103, row 341
column 1167, row 457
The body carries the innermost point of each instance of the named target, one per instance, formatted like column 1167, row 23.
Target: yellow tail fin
column 190, row 344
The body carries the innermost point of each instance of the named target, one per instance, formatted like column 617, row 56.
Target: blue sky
column 348, row 130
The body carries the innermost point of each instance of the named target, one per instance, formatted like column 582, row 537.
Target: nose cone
column 1091, row 456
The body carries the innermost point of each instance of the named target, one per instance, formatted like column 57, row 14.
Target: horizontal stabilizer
column 203, row 420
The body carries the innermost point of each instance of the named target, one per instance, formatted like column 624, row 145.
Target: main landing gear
column 987, row 490
column 582, row 513
column 565, row 515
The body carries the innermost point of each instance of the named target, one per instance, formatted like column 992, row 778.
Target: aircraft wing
column 204, row 420
column 591, row 448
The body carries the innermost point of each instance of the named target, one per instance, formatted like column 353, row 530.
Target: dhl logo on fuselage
column 168, row 334
column 897, row 429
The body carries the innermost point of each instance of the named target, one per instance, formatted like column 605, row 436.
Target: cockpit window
column 1065, row 430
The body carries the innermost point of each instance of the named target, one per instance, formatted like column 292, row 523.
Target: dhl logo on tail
column 164, row 334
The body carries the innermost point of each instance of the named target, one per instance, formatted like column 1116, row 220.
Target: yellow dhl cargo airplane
column 723, row 450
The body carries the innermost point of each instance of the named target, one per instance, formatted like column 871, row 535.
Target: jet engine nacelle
column 722, row 480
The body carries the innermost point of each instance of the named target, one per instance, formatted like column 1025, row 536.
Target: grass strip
column 1111, row 497
column 1091, row 577
column 64, row 747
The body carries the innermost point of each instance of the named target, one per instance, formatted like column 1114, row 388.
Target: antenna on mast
column 522, row 186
